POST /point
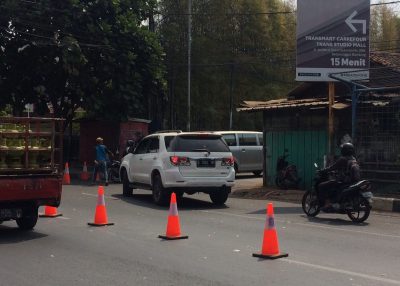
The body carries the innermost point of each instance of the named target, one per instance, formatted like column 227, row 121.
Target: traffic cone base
column 173, row 237
column 45, row 215
column 50, row 212
column 99, row 224
column 276, row 256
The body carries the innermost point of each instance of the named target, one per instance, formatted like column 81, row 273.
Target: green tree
column 237, row 50
column 80, row 53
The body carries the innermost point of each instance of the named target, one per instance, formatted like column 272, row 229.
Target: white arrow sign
column 350, row 22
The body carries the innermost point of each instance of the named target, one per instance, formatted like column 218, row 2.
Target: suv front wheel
column 126, row 189
column 160, row 195
column 220, row 196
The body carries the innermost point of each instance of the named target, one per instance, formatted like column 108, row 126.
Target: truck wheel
column 29, row 220
column 220, row 196
column 126, row 189
column 160, row 195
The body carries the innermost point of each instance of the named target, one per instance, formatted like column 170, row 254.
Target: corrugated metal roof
column 281, row 104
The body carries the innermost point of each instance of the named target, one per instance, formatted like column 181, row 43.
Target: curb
column 386, row 204
column 378, row 203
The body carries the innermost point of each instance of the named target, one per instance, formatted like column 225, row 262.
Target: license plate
column 206, row 163
column 10, row 213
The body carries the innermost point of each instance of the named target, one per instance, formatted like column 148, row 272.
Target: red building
column 115, row 135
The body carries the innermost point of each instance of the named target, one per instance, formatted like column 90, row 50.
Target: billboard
column 332, row 37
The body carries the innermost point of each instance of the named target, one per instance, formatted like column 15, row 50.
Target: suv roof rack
column 168, row 131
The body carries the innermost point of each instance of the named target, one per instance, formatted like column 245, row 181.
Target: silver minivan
column 246, row 148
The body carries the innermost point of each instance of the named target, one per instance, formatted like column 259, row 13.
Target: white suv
column 187, row 162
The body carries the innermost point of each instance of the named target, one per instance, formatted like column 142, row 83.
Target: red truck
column 30, row 167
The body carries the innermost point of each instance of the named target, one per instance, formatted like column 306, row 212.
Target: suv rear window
column 198, row 143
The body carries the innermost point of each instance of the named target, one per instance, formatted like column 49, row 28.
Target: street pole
column 189, row 57
column 331, row 119
column 354, row 99
column 231, row 100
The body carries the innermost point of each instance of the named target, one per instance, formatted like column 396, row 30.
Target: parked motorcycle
column 286, row 175
column 113, row 171
column 354, row 200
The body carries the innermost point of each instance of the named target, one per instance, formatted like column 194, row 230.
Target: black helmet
column 347, row 149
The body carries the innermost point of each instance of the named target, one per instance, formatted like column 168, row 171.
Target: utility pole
column 189, row 57
column 231, row 98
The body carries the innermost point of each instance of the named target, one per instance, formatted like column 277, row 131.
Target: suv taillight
column 228, row 161
column 179, row 161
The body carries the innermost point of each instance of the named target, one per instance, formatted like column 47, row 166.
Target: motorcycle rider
column 348, row 172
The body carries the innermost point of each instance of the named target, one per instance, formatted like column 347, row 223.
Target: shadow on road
column 10, row 235
column 280, row 210
column 184, row 203
column 247, row 176
column 334, row 221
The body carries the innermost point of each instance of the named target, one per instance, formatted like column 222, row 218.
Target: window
column 154, row 145
column 167, row 140
column 260, row 139
column 230, row 139
column 247, row 139
column 194, row 143
column 142, row 147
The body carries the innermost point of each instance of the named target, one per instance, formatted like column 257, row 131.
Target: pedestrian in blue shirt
column 102, row 158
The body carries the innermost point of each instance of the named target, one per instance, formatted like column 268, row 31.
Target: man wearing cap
column 101, row 159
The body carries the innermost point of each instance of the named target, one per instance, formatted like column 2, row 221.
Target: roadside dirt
column 293, row 196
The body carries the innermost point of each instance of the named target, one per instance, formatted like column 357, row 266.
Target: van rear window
column 198, row 144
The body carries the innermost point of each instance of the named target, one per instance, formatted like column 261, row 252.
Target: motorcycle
column 354, row 200
column 113, row 171
column 286, row 175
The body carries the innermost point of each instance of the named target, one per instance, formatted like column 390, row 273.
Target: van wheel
column 160, row 195
column 29, row 219
column 126, row 189
column 220, row 196
column 257, row 173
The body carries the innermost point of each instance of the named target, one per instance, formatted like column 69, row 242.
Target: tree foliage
column 237, row 50
column 80, row 53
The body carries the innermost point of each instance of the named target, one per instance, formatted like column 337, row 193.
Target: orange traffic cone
column 67, row 178
column 270, row 247
column 50, row 212
column 100, row 217
column 85, row 174
column 173, row 228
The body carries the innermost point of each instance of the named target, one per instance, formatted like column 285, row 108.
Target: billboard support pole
column 354, row 100
column 331, row 118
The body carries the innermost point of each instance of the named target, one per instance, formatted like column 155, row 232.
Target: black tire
column 126, row 189
column 160, row 195
column 29, row 220
column 360, row 210
column 220, row 196
column 310, row 204
column 257, row 173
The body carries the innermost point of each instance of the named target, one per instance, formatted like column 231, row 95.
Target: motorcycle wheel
column 310, row 204
column 360, row 210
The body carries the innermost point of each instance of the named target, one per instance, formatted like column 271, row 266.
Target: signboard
column 332, row 37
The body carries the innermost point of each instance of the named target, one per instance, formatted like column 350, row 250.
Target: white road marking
column 63, row 217
column 346, row 272
column 308, row 224
column 94, row 195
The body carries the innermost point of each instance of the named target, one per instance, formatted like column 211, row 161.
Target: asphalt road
column 328, row 250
